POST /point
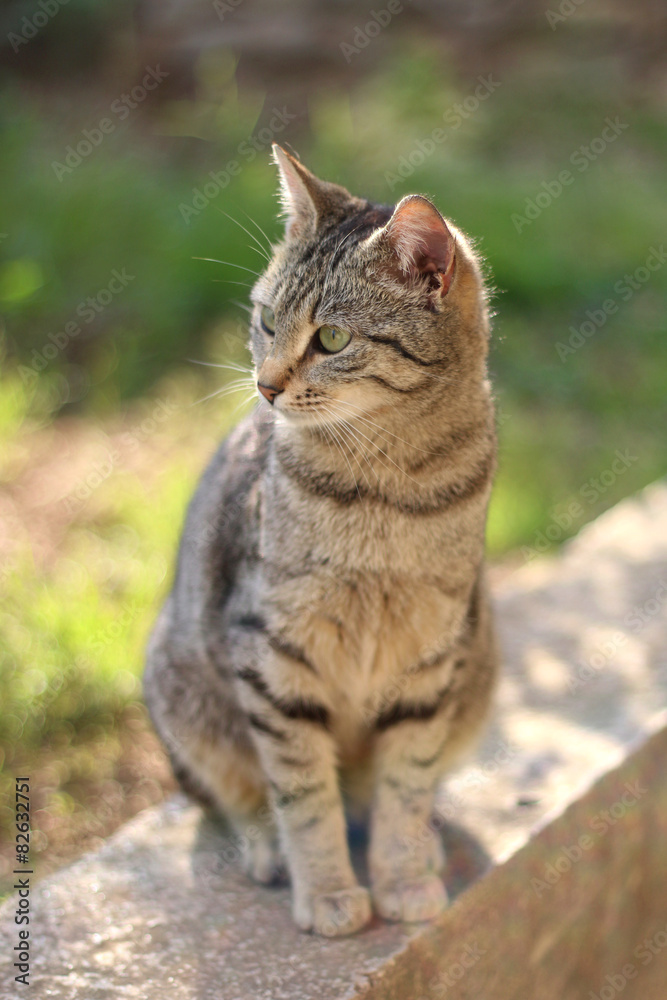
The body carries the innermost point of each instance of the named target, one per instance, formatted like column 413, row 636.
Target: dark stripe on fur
column 397, row 346
column 256, row 623
column 404, row 711
column 425, row 762
column 293, row 761
column 431, row 662
column 353, row 229
column 472, row 614
column 190, row 785
column 466, row 488
column 305, row 711
column 446, row 448
column 286, row 798
column 389, row 385
column 263, row 727
column 471, row 623
column 250, row 621
column 307, row 824
column 325, row 485
column 280, row 645
column 320, row 484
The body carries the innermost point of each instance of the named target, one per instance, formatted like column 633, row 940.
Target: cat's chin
column 302, row 418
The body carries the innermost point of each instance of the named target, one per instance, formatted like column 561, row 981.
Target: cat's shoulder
column 241, row 456
column 219, row 512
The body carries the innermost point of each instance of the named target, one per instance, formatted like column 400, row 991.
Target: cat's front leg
column 405, row 855
column 298, row 758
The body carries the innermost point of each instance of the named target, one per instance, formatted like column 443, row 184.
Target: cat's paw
column 411, row 900
column 334, row 914
column 263, row 862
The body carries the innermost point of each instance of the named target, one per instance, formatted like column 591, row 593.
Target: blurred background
column 135, row 141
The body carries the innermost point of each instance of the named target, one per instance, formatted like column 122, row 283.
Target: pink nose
column 268, row 391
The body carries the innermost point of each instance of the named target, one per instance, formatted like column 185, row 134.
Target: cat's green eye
column 268, row 320
column 333, row 339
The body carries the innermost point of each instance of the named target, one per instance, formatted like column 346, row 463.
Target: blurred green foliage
column 122, row 209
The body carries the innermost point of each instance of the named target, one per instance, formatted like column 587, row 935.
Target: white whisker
column 225, row 390
column 340, row 441
column 213, row 364
column 325, row 431
column 269, row 246
column 346, row 432
column 382, row 452
column 230, row 281
column 241, row 305
column 243, row 402
column 367, row 420
column 363, row 450
column 350, row 431
column 261, row 249
column 228, row 263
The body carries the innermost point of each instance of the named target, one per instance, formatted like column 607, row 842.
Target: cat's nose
column 268, row 391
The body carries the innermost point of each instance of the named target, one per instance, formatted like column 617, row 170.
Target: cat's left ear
column 423, row 247
column 306, row 200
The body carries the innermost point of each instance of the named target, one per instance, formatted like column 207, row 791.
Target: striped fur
column 328, row 634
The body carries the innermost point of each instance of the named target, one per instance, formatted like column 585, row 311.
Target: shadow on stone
column 216, row 856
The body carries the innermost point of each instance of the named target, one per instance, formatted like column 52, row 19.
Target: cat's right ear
column 422, row 249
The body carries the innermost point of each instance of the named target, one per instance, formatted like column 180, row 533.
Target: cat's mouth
column 307, row 415
column 313, row 408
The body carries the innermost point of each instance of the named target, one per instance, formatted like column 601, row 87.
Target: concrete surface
column 556, row 832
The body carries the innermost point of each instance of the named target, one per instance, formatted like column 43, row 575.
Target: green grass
column 79, row 591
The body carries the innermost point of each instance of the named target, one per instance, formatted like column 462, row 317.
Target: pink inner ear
column 422, row 241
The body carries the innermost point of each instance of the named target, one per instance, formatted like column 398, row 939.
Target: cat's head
column 363, row 306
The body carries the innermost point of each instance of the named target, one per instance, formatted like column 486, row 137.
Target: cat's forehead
column 336, row 241
column 301, row 268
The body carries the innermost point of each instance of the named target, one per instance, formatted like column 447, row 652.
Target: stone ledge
column 538, row 912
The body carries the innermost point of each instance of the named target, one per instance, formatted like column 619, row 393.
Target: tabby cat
column 328, row 634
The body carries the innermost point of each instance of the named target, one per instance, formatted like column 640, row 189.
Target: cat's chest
column 368, row 593
column 368, row 636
